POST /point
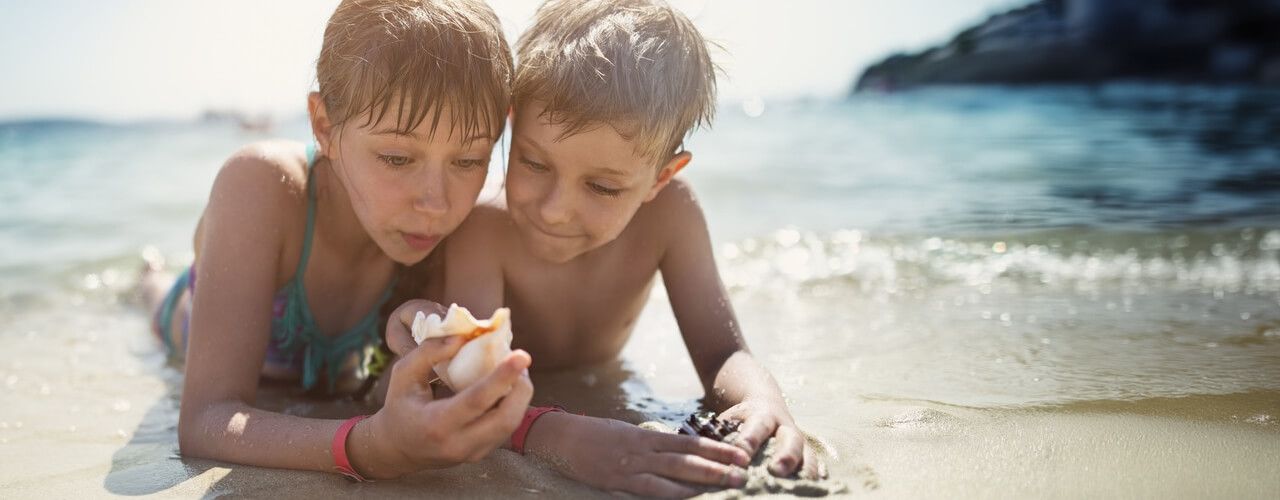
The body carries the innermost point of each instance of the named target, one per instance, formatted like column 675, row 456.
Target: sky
column 134, row 59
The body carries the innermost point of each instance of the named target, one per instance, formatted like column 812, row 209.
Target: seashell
column 488, row 342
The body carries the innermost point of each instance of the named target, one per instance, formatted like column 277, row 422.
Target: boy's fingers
column 476, row 400
column 650, row 485
column 753, row 433
column 789, row 451
column 707, row 448
column 698, row 470
column 812, row 468
column 414, row 369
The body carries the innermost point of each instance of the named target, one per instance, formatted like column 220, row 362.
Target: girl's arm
column 730, row 374
column 239, row 262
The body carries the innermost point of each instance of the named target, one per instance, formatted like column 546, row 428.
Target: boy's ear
column 669, row 170
column 321, row 127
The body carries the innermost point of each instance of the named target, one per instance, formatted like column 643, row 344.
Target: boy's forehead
column 597, row 143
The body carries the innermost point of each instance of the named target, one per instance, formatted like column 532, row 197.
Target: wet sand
column 92, row 411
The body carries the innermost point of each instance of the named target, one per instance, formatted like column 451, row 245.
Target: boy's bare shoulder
column 487, row 225
column 675, row 209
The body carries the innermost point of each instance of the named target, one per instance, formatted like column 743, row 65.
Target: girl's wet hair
column 413, row 60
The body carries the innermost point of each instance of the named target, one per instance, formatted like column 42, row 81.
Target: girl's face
column 408, row 190
column 570, row 195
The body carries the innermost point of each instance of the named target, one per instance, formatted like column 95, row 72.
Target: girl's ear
column 321, row 127
column 669, row 170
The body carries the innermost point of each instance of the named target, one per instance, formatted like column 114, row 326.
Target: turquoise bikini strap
column 311, row 216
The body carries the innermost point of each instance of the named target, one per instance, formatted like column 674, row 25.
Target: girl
column 297, row 251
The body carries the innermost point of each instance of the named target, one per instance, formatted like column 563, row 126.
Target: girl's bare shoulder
column 266, row 175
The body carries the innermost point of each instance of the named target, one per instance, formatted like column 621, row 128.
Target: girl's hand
column 617, row 456
column 413, row 431
column 400, row 325
column 758, row 421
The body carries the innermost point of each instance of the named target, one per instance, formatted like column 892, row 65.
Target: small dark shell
column 706, row 424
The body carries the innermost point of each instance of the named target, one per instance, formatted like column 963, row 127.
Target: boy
column 603, row 96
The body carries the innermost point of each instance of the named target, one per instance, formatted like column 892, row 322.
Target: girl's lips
column 420, row 241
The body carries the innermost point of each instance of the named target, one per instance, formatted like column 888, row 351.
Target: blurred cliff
column 1097, row 40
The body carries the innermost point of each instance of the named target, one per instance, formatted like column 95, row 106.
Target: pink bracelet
column 522, row 432
column 339, row 448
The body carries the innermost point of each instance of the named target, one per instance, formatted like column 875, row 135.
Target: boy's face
column 571, row 195
column 409, row 190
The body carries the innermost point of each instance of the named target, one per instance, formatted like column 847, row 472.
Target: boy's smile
column 569, row 195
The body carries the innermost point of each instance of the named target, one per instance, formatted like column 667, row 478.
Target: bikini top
column 293, row 327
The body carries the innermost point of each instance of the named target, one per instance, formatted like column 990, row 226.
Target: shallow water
column 963, row 292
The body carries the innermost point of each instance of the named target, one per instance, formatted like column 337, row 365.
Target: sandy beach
column 91, row 414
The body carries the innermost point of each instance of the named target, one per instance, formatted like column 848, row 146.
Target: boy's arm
column 470, row 276
column 730, row 375
column 474, row 255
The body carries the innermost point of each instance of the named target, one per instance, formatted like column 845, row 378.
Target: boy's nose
column 555, row 207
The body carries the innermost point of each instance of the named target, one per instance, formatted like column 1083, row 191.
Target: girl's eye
column 394, row 160
column 535, row 166
column 470, row 164
column 603, row 190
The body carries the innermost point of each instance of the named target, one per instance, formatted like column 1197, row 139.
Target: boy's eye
column 603, row 190
column 535, row 166
column 469, row 164
column 394, row 160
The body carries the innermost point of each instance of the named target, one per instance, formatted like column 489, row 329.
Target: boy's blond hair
column 636, row 65
column 415, row 58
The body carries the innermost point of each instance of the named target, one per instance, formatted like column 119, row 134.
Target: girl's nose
column 432, row 196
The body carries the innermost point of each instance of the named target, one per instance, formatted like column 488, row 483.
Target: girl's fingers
column 707, row 448
column 498, row 424
column 399, row 325
column 650, row 485
column 697, row 470
column 788, row 453
column 753, row 433
column 414, row 369
column 477, row 399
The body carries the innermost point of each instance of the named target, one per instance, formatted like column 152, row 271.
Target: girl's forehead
column 442, row 127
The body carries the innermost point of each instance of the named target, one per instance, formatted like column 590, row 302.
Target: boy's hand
column 400, row 324
column 761, row 420
column 617, row 456
column 413, row 431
